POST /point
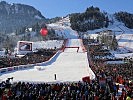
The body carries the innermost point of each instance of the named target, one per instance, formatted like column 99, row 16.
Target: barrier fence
column 22, row 67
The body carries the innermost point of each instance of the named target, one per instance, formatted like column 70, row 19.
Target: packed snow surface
column 69, row 66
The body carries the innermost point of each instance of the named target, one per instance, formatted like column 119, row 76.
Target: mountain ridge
column 15, row 16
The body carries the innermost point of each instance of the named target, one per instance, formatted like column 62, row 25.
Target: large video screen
column 25, row 46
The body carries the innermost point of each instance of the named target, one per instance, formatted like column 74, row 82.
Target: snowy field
column 123, row 34
column 49, row 44
column 69, row 66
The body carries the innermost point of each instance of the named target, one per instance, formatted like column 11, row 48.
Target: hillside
column 123, row 34
column 18, row 18
column 93, row 19
column 15, row 16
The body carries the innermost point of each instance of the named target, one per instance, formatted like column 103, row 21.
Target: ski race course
column 69, row 66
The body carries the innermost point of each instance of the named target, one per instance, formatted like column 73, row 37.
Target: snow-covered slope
column 123, row 34
column 69, row 66
column 62, row 28
column 50, row 44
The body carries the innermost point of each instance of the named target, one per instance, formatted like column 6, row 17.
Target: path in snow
column 69, row 66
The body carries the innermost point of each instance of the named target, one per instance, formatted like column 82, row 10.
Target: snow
column 62, row 30
column 129, row 55
column 115, row 62
column 37, row 17
column 123, row 34
column 2, row 53
column 50, row 44
column 126, row 40
column 69, row 66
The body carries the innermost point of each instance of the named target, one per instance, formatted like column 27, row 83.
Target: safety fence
column 22, row 67
column 28, row 66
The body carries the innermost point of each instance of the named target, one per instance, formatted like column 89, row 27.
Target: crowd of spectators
column 41, row 55
column 61, row 91
column 121, row 73
column 113, row 82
